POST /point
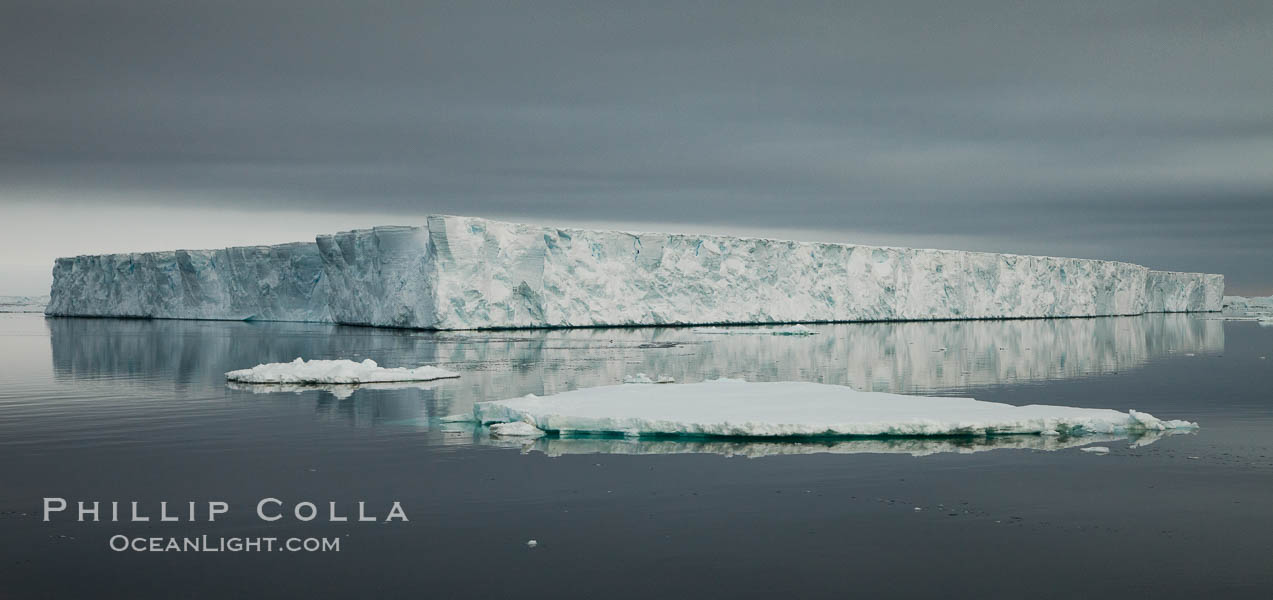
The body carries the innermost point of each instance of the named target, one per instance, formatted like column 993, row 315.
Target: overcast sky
column 1139, row 131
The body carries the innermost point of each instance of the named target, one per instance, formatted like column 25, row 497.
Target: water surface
column 106, row 409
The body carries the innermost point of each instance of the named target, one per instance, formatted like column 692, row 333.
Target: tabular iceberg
column 470, row 273
column 268, row 283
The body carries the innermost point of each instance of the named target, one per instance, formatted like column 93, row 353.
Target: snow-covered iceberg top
column 302, row 371
column 736, row 408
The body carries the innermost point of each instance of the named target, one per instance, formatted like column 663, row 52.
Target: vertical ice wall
column 270, row 283
column 469, row 273
column 503, row 274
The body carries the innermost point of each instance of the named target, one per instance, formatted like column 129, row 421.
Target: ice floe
column 736, row 408
column 301, row 371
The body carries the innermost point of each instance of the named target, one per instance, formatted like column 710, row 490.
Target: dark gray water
column 100, row 409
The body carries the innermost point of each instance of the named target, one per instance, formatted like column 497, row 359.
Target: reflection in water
column 191, row 357
column 752, row 448
column 340, row 390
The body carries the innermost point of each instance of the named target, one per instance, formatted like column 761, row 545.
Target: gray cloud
column 1130, row 130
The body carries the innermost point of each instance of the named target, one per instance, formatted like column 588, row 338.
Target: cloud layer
column 1139, row 131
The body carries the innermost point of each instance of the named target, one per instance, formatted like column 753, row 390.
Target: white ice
column 1096, row 450
column 728, row 407
column 520, row 429
column 335, row 371
column 469, row 273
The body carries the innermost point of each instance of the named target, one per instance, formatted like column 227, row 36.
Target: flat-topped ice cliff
column 470, row 273
column 270, row 283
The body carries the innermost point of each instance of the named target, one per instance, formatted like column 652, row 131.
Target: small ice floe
column 531, row 543
column 335, row 371
column 516, row 429
column 1096, row 449
column 643, row 378
column 733, row 407
column 788, row 330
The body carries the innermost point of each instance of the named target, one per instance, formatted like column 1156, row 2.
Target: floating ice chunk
column 1096, row 450
column 531, row 543
column 797, row 409
column 788, row 330
column 516, row 429
column 335, row 371
column 665, row 379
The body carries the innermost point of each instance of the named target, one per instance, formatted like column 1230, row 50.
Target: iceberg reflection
column 753, row 448
column 339, row 390
column 191, row 357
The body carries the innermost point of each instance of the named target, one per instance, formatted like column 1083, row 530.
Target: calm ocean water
column 133, row 410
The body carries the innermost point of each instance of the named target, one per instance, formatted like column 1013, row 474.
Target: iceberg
column 736, row 408
column 266, row 283
column 456, row 273
column 1258, row 308
column 301, row 371
column 23, row 304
